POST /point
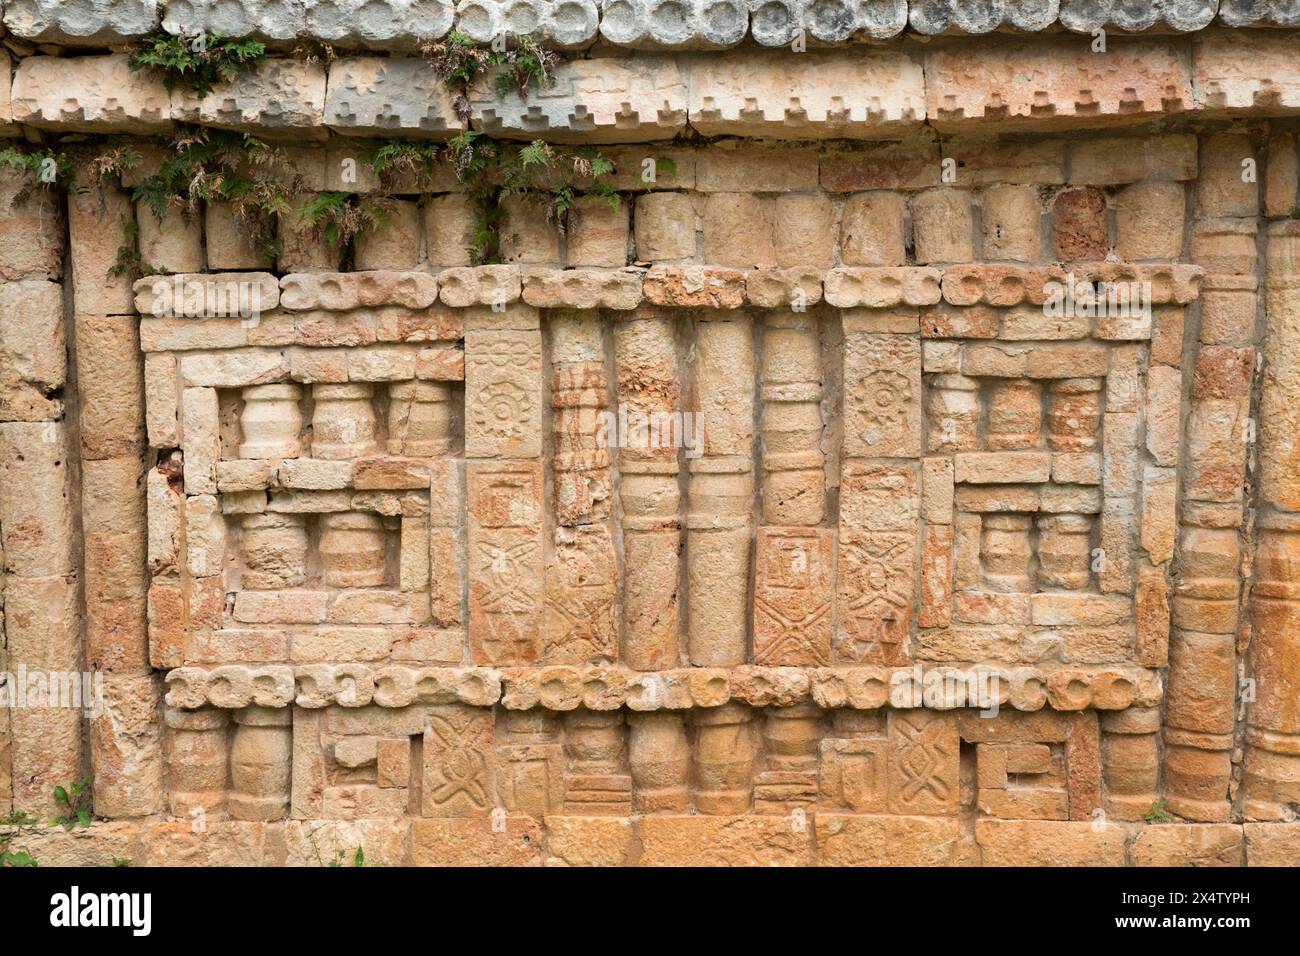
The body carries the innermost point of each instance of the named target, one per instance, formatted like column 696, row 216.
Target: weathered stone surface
column 1071, row 84
column 92, row 94
column 382, row 495
column 596, row 101
column 801, row 97
column 372, row 96
column 81, row 23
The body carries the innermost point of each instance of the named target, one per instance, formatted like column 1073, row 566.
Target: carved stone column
column 1272, row 771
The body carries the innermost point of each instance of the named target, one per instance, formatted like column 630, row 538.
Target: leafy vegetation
column 10, row 826
column 458, row 61
column 203, row 165
column 340, row 217
column 490, row 170
column 198, row 62
column 128, row 261
column 1158, row 813
column 340, row 858
column 74, row 803
column 313, row 50
column 42, row 168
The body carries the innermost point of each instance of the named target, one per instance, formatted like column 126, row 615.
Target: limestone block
column 91, row 23
column 278, row 96
column 503, row 389
column 942, row 16
column 1244, row 13
column 396, row 245
column 1071, row 85
column 695, row 287
column 35, row 504
column 31, row 240
column 608, row 100
column 571, row 24
column 33, row 359
column 1235, row 71
column 833, row 22
column 173, row 244
column 772, row 288
column 665, row 227
column 597, row 233
column 737, row 166
column 876, row 288
column 804, row 96
column 883, row 410
column 371, row 96
column 1012, row 223
column 339, row 292
column 737, row 229
column 112, row 396
column 216, row 295
column 496, row 285
column 690, row 25
column 90, row 94
column 871, row 233
column 582, row 288
column 1149, row 221
column 943, row 224
column 6, row 89
column 265, row 19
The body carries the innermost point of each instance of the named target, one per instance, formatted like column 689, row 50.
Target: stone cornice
column 886, row 93
column 635, row 24
column 594, row 687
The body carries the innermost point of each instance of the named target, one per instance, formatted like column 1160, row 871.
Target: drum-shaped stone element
column 793, row 492
column 1074, row 413
column 1131, row 761
column 419, row 419
column 659, row 757
column 1064, row 551
column 791, row 736
column 1006, row 553
column 271, row 421
column 1015, row 414
column 352, row 549
column 196, row 761
column 953, row 407
column 343, row 425
column 724, row 759
column 594, row 741
column 261, row 763
column 274, row 548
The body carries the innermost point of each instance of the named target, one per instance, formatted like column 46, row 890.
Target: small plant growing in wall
column 11, row 826
column 1158, row 813
column 39, row 168
column 203, row 165
column 490, row 170
column 340, row 217
column 341, row 858
column 74, row 805
column 198, row 63
column 458, row 61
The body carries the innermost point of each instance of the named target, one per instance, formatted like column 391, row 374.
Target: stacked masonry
column 684, row 534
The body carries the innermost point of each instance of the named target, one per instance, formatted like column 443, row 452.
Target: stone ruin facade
column 932, row 566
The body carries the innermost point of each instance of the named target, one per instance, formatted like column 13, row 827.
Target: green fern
column 202, row 166
column 340, row 217
column 40, row 168
column 199, row 62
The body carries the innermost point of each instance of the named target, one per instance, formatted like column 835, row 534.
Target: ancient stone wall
column 896, row 466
